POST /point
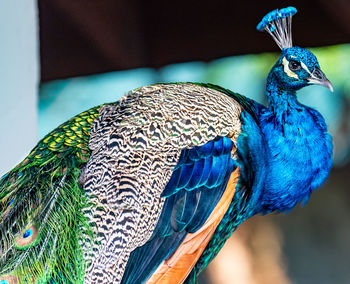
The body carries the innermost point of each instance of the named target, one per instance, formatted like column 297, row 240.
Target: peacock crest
column 278, row 23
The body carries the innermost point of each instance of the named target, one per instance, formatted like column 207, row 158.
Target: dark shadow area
column 88, row 37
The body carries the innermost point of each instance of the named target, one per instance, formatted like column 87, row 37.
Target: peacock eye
column 27, row 238
column 294, row 65
column 27, row 233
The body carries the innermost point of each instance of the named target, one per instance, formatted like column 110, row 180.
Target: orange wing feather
column 177, row 268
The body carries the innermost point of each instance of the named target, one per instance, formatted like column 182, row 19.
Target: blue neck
column 281, row 102
column 297, row 151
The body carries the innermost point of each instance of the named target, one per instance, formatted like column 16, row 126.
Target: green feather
column 41, row 204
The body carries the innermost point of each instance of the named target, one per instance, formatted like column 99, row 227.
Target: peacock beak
column 319, row 78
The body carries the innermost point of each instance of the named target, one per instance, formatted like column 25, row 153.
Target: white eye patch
column 286, row 69
column 306, row 69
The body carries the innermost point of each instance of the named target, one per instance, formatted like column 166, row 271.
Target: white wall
column 19, row 67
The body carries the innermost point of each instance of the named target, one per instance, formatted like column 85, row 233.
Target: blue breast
column 300, row 157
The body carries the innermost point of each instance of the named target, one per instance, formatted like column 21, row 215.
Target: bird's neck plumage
column 298, row 146
column 281, row 101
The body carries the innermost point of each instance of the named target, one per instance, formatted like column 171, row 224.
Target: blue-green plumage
column 134, row 179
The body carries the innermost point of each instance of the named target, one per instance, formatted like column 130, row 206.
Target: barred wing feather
column 160, row 162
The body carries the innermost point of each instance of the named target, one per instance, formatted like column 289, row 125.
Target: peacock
column 148, row 189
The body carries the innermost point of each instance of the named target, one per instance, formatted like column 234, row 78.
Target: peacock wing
column 197, row 196
column 161, row 161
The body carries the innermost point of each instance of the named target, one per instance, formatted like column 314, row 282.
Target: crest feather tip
column 278, row 24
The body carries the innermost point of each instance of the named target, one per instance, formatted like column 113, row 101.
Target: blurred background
column 61, row 57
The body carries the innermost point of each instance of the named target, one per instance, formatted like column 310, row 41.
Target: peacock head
column 297, row 67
